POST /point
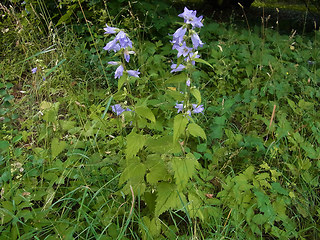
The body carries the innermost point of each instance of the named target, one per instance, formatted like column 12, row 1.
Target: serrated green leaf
column 196, row 93
column 168, row 198
column 163, row 145
column 184, row 169
column 135, row 143
column 135, row 170
column 57, row 147
column 195, row 206
column 179, row 126
column 157, row 169
column 277, row 187
column 196, row 131
column 145, row 112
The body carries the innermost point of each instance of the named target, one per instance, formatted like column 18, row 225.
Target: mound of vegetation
column 136, row 120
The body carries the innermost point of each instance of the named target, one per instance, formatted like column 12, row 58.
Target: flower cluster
column 196, row 108
column 180, row 39
column 120, row 43
column 117, row 109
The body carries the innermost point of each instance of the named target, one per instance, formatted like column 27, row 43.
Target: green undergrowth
column 247, row 168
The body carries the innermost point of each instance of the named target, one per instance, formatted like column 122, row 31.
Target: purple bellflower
column 34, row 70
column 112, row 45
column 190, row 17
column 133, row 73
column 179, row 106
column 183, row 50
column 188, row 82
column 176, row 68
column 127, row 53
column 197, row 108
column 119, row 72
column 179, row 34
column 114, row 63
column 196, row 41
column 110, row 30
column 123, row 40
column 117, row 109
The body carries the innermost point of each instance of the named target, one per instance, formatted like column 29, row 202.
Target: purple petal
column 34, row 70
column 117, row 109
column 197, row 109
column 179, row 106
column 176, row 69
column 196, row 41
column 114, row 63
column 133, row 73
column 110, row 30
column 119, row 72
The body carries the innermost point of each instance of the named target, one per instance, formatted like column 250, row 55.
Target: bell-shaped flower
column 179, row 106
column 34, row 70
column 133, row 73
column 117, row 109
column 190, row 17
column 197, row 108
column 112, row 45
column 179, row 34
column 196, row 41
column 188, row 82
column 123, row 40
column 176, row 68
column 183, row 50
column 110, row 30
column 114, row 63
column 127, row 53
column 119, row 72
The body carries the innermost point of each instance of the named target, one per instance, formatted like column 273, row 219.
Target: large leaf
column 180, row 78
column 168, row 198
column 157, row 169
column 163, row 145
column 184, row 168
column 135, row 142
column 179, row 126
column 196, row 131
column 57, row 147
column 145, row 112
column 196, row 93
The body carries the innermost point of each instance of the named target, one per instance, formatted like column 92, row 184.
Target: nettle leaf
column 196, row 93
column 196, row 131
column 135, row 143
column 145, row 112
column 57, row 147
column 168, row 198
column 184, row 169
column 163, row 145
column 195, row 206
column 179, row 126
column 157, row 169
column 153, row 227
column 133, row 174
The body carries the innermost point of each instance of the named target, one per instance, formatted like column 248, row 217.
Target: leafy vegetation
column 226, row 148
